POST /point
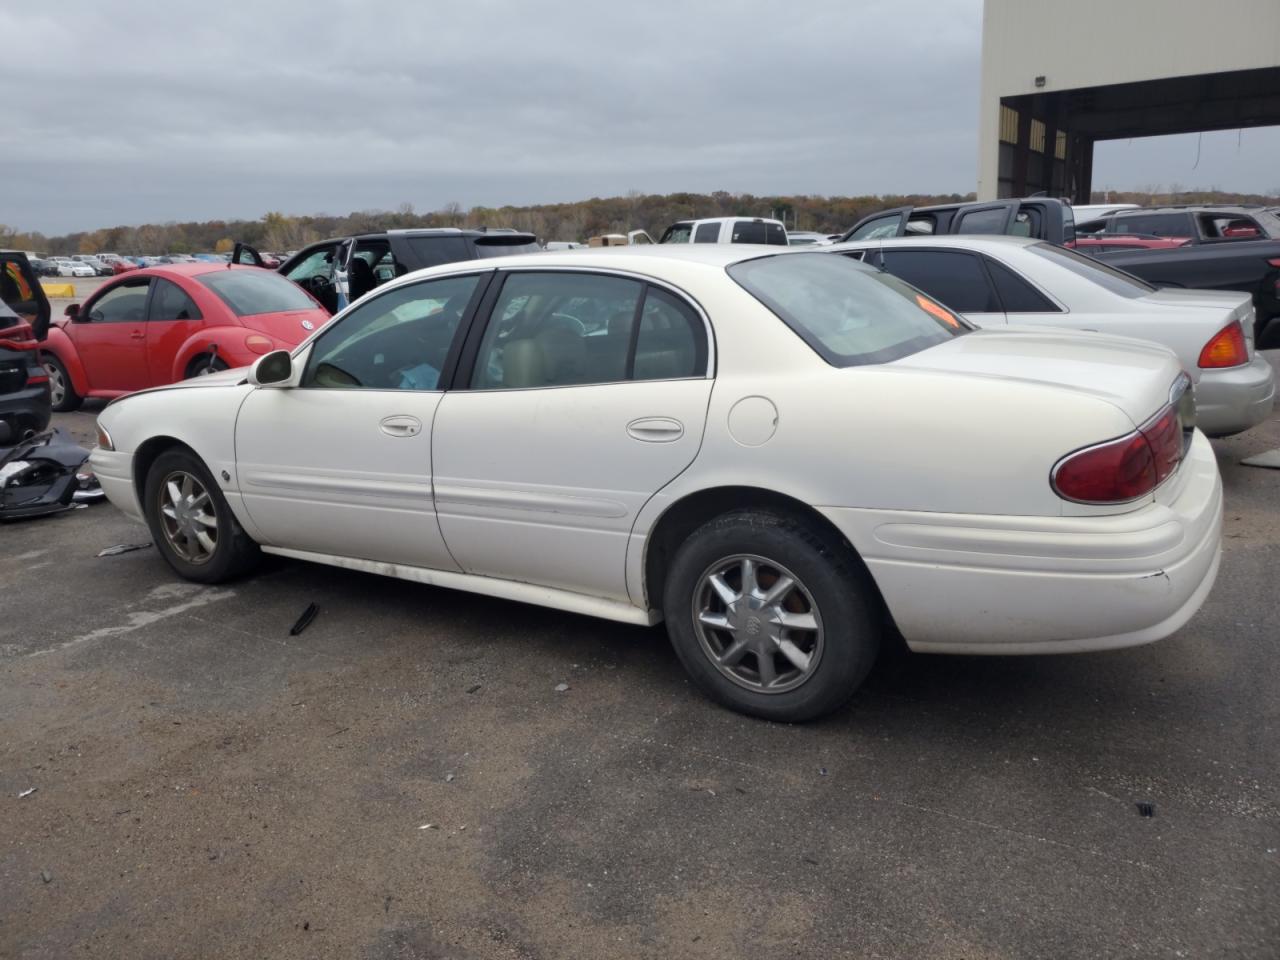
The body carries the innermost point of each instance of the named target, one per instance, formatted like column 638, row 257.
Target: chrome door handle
column 137, row 335
column 400, row 426
column 655, row 429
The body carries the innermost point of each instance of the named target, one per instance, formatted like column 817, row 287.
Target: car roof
column 1190, row 208
column 187, row 269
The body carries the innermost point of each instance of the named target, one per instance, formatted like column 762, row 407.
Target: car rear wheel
column 770, row 618
column 191, row 524
column 62, row 395
column 204, row 365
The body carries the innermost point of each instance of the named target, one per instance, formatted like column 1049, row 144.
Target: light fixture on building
column 1040, row 81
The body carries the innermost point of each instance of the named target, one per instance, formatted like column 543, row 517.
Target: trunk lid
column 1134, row 375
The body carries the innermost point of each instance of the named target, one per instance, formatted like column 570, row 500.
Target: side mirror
column 274, row 369
column 72, row 311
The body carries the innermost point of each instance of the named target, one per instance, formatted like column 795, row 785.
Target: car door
column 581, row 394
column 21, row 292
column 955, row 278
column 172, row 317
column 341, row 465
column 110, row 334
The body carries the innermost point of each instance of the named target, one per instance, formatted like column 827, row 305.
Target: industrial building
column 1059, row 76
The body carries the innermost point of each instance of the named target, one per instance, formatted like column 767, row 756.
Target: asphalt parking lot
column 404, row 780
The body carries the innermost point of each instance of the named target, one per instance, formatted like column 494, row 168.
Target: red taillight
column 1274, row 262
column 39, row 378
column 1124, row 469
column 1226, row 349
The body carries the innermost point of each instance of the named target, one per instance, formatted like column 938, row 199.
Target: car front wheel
column 771, row 618
column 191, row 524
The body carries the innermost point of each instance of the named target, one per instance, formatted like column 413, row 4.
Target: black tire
column 58, row 376
column 202, row 365
column 845, row 603
column 233, row 554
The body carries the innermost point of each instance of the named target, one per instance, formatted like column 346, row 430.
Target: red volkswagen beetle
column 160, row 324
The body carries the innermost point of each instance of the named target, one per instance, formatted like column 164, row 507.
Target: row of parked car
column 111, row 264
column 646, row 433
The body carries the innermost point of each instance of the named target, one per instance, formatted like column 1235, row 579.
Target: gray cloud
column 164, row 111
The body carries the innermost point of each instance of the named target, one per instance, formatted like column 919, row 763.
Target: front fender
column 230, row 343
column 64, row 348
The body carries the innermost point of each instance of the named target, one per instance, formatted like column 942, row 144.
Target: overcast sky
column 135, row 112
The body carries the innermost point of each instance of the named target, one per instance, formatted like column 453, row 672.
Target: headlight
column 104, row 438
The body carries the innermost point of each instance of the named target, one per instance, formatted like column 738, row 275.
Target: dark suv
column 339, row 271
column 1044, row 218
column 24, row 322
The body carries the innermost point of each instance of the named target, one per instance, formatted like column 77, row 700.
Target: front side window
column 848, row 313
column 252, row 292
column 878, row 229
column 956, row 279
column 398, row 340
column 170, row 302
column 126, row 303
column 1117, row 281
column 707, row 233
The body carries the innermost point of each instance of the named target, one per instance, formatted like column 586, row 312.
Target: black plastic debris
column 304, row 621
column 120, row 548
column 1146, row 809
column 473, row 688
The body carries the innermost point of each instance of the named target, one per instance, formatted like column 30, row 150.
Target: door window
column 1016, row 295
column 671, row 343
column 952, row 278
column 126, row 303
column 170, row 302
column 707, row 233
column 877, row 229
column 1153, row 224
column 991, row 220
column 397, row 341
column 558, row 329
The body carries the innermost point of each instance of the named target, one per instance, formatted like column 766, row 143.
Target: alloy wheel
column 188, row 518
column 57, row 383
column 757, row 623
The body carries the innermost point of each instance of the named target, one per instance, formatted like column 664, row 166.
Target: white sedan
column 779, row 453
column 999, row 281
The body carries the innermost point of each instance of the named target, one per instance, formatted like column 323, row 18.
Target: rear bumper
column 1233, row 400
column 973, row 584
column 26, row 410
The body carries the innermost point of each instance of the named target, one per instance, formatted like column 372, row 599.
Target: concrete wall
column 1087, row 43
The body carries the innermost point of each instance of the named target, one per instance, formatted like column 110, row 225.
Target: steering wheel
column 319, row 285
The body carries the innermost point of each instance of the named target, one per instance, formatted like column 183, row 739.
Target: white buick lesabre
column 782, row 454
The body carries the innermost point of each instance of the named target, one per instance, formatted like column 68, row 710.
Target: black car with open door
column 1044, row 218
column 339, row 271
column 24, row 323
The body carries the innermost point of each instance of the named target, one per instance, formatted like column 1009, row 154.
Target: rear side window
column 1153, row 224
column 982, row 221
column 848, row 313
column 707, row 233
column 170, row 302
column 432, row 251
column 249, row 292
column 504, row 245
column 1016, row 295
column 1117, row 281
column 757, row 231
column 953, row 278
column 671, row 342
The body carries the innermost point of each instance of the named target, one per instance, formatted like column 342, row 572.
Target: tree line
column 576, row 220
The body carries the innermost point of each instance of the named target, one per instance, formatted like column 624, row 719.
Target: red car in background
column 122, row 266
column 1124, row 241
column 160, row 324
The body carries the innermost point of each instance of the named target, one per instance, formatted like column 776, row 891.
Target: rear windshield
column 1117, row 281
column 849, row 313
column 758, row 231
column 252, row 290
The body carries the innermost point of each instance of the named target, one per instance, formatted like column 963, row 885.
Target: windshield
column 849, row 313
column 251, row 291
column 678, row 233
column 1117, row 281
